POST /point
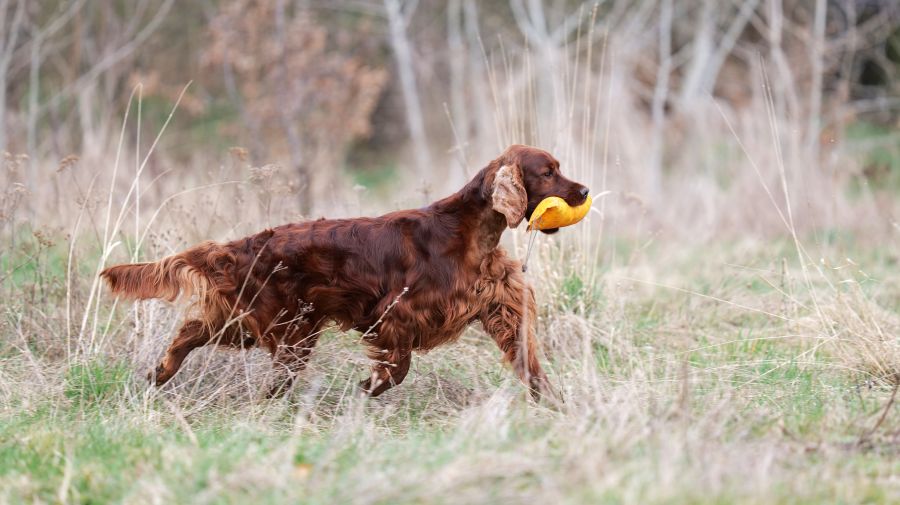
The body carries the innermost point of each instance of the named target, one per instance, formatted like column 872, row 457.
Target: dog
column 409, row 280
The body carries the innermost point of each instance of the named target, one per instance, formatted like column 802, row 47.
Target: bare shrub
column 305, row 89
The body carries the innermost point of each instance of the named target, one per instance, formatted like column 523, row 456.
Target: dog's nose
column 584, row 191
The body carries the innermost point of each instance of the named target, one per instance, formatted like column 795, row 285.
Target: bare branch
column 111, row 59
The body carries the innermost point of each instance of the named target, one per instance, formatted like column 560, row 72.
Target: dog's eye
column 548, row 173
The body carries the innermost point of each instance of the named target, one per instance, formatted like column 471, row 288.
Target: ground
column 719, row 373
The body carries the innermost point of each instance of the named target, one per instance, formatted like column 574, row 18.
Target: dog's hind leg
column 290, row 358
column 193, row 334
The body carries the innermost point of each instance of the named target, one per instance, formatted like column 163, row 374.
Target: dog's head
column 526, row 175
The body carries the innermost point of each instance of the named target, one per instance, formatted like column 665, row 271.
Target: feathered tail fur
column 169, row 278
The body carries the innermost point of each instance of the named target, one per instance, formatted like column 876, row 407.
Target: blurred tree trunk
column 546, row 32
column 709, row 54
column 398, row 21
column 288, row 121
column 8, row 39
column 661, row 95
column 482, row 122
column 702, row 46
column 459, row 116
column 816, row 55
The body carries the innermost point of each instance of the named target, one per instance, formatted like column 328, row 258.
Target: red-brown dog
column 427, row 273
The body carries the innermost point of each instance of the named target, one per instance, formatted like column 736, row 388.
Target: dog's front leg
column 509, row 318
column 389, row 370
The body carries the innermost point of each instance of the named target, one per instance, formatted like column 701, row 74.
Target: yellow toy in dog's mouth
column 554, row 212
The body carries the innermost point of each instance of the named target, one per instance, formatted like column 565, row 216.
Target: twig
column 887, row 408
column 386, row 310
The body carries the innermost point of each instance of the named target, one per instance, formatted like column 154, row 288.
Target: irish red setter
column 409, row 280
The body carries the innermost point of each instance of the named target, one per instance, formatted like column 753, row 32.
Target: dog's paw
column 365, row 387
column 158, row 376
column 373, row 389
column 279, row 390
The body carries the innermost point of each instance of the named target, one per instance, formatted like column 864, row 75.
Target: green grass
column 95, row 382
column 669, row 397
column 879, row 149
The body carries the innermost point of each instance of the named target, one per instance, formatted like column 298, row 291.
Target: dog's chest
column 444, row 313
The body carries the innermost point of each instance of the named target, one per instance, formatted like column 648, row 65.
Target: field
column 701, row 374
column 723, row 327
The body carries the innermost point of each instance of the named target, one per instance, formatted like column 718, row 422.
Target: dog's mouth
column 573, row 201
column 530, row 210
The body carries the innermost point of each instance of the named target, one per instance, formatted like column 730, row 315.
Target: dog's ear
column 508, row 195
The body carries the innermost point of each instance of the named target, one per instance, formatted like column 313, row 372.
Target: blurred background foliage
column 348, row 92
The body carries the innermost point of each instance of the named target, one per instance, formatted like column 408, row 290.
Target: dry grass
column 713, row 373
column 712, row 341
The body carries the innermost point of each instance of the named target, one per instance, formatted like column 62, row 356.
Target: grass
column 879, row 149
column 728, row 335
column 669, row 396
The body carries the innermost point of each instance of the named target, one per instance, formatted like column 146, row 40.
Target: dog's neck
column 473, row 205
column 491, row 225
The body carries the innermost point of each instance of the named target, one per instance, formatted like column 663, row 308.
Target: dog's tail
column 168, row 278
